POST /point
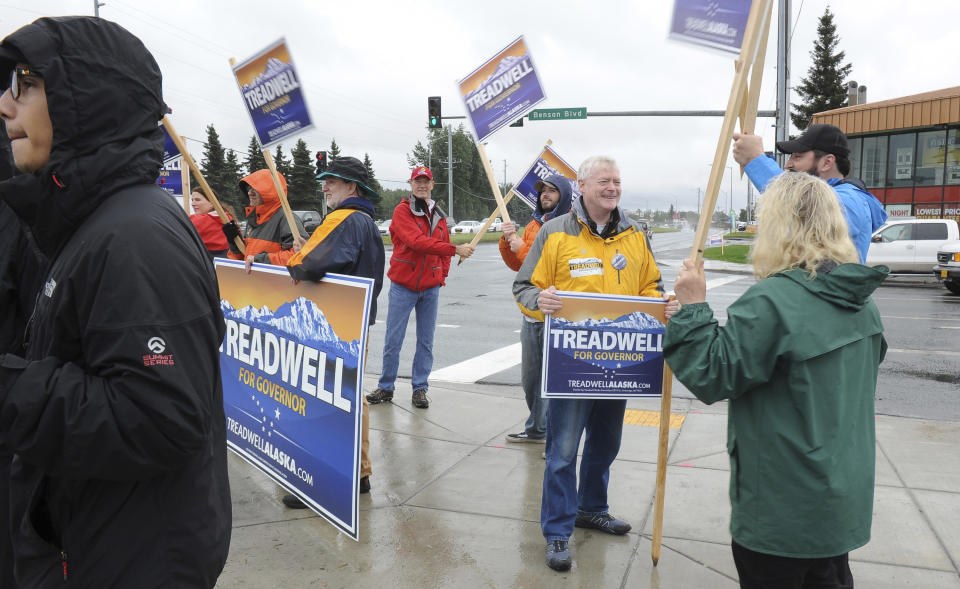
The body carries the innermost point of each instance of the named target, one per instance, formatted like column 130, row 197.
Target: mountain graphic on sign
column 274, row 66
column 505, row 64
column 636, row 321
column 300, row 320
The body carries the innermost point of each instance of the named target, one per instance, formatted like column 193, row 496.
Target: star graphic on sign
column 276, row 412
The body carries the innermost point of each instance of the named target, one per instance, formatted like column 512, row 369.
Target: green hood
column 848, row 286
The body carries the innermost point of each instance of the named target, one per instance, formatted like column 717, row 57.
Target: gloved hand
column 232, row 232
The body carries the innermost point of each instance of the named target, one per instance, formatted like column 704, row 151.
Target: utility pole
column 450, row 170
column 698, row 201
column 96, row 7
column 783, row 75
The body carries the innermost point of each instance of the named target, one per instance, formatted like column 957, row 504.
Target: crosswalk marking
column 501, row 359
column 480, row 366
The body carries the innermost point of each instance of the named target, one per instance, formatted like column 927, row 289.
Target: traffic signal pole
column 450, row 171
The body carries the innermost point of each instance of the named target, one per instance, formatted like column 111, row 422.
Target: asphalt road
column 478, row 328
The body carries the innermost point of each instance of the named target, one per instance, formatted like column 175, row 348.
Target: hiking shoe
column 558, row 555
column 292, row 502
column 379, row 396
column 523, row 437
column 420, row 400
column 364, row 484
column 603, row 522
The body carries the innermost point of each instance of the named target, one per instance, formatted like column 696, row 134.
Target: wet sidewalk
column 453, row 505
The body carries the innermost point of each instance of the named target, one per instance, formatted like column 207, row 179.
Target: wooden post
column 748, row 111
column 185, row 187
column 493, row 183
column 178, row 141
column 748, row 51
column 287, row 211
column 662, row 446
column 754, row 43
column 496, row 211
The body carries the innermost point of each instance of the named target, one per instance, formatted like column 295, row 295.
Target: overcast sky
column 368, row 67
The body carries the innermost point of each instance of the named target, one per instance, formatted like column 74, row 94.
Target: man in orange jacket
column 554, row 196
column 268, row 239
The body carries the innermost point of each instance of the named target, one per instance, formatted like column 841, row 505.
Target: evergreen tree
column 213, row 165
column 232, row 174
column 254, row 160
column 302, row 182
column 282, row 163
column 334, row 152
column 824, row 87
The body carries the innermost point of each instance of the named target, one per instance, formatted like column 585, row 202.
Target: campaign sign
column 171, row 180
column 604, row 347
column 170, row 151
column 501, row 90
column 546, row 164
column 718, row 24
column 292, row 368
column 271, row 91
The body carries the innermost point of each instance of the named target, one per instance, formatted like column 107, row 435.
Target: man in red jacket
column 418, row 268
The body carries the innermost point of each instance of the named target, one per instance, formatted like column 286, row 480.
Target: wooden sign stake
column 192, row 165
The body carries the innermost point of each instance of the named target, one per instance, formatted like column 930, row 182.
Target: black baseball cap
column 820, row 136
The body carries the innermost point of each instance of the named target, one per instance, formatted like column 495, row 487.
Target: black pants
column 766, row 571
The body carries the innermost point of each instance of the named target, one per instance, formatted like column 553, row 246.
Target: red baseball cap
column 421, row 171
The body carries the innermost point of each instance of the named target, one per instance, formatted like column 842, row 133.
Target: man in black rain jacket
column 114, row 414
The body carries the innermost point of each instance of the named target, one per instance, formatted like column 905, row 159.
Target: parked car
column 497, row 225
column 947, row 269
column 310, row 219
column 384, row 227
column 645, row 227
column 741, row 226
column 911, row 245
column 467, row 227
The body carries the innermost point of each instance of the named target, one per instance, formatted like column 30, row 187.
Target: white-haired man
column 611, row 255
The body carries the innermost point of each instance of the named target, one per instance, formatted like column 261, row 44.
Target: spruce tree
column 334, row 152
column 232, row 174
column 824, row 88
column 254, row 160
column 213, row 164
column 302, row 180
column 282, row 163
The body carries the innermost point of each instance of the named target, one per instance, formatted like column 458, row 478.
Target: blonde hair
column 801, row 225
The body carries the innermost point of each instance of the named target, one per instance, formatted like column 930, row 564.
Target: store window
column 953, row 157
column 931, row 154
column 900, row 159
column 855, row 145
column 874, row 165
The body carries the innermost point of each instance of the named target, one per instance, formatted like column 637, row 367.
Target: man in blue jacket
column 346, row 242
column 820, row 151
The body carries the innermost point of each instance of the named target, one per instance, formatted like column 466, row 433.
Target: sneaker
column 292, row 502
column 558, row 555
column 603, row 522
column 379, row 396
column 364, row 484
column 524, row 437
column 420, row 400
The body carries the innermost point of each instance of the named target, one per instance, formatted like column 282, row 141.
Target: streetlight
column 731, row 183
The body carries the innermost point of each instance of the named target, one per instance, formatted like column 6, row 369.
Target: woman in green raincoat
column 798, row 360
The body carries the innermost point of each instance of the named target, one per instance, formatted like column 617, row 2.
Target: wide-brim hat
column 350, row 169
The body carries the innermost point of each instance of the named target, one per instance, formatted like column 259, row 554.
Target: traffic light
column 434, row 121
column 517, row 123
column 321, row 162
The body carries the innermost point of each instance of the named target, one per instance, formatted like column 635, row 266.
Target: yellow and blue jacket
column 570, row 254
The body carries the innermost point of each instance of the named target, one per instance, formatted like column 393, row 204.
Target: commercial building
column 907, row 151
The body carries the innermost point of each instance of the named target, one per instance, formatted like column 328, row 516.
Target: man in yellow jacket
column 595, row 248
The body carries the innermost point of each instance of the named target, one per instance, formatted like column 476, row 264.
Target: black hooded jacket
column 115, row 414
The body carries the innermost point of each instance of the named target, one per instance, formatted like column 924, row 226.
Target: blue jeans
column 531, row 354
column 566, row 421
column 402, row 300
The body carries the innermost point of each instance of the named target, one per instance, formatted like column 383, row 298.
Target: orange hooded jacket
column 268, row 237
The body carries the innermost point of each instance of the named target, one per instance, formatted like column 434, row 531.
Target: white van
column 910, row 245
